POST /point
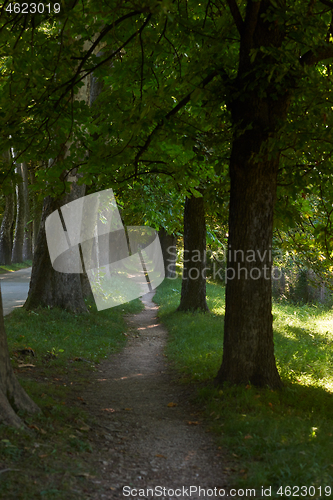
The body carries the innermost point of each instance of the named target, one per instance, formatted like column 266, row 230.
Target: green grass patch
column 15, row 267
column 57, row 337
column 195, row 342
column 276, row 438
column 53, row 353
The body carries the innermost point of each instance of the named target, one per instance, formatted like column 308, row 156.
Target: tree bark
column 6, row 231
column 49, row 288
column 248, row 350
column 169, row 251
column 17, row 252
column 193, row 294
column 12, row 396
column 35, row 215
column 27, row 243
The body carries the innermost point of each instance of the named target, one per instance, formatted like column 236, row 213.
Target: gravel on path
column 150, row 436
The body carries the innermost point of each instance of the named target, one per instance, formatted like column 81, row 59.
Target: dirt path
column 145, row 441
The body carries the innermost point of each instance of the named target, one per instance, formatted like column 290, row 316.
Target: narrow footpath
column 150, row 435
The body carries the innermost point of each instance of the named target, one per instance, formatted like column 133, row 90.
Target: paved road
column 14, row 289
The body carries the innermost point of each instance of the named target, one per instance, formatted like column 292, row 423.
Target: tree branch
column 236, row 15
column 171, row 113
column 311, row 58
column 74, row 80
column 100, row 38
column 327, row 2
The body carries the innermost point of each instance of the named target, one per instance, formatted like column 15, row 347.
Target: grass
column 53, row 353
column 15, row 267
column 275, row 438
column 58, row 338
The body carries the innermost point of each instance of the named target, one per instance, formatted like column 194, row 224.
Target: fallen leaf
column 32, row 426
column 248, row 437
column 171, row 405
column 85, row 474
column 190, row 422
column 85, row 428
column 128, row 409
column 42, row 456
column 160, row 456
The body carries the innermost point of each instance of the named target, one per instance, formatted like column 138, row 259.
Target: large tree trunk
column 12, row 396
column 50, row 288
column 17, row 252
column 169, row 251
column 248, row 351
column 6, row 231
column 193, row 294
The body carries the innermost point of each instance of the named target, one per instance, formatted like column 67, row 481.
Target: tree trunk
column 12, row 396
column 193, row 294
column 49, row 288
column 248, row 350
column 6, row 231
column 86, row 287
column 17, row 252
column 169, row 251
column 36, row 214
column 27, row 244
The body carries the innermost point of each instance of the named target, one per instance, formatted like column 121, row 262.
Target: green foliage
column 277, row 438
column 169, row 74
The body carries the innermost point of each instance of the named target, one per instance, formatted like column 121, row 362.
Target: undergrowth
column 276, row 438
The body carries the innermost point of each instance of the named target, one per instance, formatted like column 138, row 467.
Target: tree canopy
column 233, row 96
